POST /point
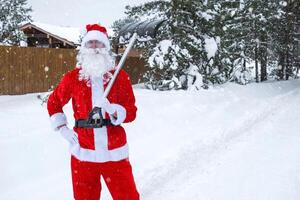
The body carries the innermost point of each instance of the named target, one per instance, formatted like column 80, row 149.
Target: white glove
column 69, row 135
column 107, row 106
column 117, row 113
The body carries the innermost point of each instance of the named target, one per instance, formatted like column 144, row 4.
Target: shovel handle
column 120, row 65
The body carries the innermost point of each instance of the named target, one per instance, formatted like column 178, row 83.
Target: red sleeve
column 59, row 97
column 126, row 97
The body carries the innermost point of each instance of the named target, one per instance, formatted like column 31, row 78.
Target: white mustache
column 89, row 51
column 94, row 62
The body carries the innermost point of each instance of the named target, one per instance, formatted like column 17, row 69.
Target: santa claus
column 96, row 152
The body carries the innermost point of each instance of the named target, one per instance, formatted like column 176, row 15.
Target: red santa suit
column 100, row 151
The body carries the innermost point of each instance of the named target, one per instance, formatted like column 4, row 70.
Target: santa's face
column 94, row 60
column 95, row 44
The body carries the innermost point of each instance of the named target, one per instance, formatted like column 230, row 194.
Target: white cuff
column 121, row 114
column 57, row 120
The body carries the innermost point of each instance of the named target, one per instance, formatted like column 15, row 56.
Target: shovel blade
column 143, row 29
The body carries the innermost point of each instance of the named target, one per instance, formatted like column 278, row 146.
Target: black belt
column 94, row 123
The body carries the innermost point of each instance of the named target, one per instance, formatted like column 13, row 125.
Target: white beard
column 94, row 63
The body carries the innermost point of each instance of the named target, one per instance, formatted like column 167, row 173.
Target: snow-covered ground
column 231, row 142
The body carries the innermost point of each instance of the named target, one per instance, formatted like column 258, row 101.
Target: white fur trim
column 99, row 155
column 101, row 152
column 57, row 120
column 121, row 114
column 96, row 35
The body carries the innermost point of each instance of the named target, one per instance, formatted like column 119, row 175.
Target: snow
column 71, row 34
column 194, row 79
column 160, row 51
column 165, row 45
column 283, row 3
column 211, row 47
column 230, row 142
column 205, row 15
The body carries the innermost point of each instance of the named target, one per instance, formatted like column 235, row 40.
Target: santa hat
column 96, row 32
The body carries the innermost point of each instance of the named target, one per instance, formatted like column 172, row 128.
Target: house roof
column 70, row 35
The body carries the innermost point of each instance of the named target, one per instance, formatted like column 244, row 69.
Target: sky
column 78, row 13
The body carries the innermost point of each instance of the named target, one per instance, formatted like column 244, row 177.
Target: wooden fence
column 28, row 70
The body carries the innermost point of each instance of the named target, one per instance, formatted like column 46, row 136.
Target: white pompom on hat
column 96, row 32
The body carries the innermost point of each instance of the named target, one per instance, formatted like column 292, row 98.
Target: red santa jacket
column 101, row 144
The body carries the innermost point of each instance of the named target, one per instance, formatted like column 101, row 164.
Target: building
column 50, row 36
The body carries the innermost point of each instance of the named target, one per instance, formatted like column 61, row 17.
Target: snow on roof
column 71, row 34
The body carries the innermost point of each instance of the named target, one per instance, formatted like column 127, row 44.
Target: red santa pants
column 117, row 175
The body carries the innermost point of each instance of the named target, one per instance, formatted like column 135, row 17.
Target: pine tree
column 231, row 59
column 148, row 11
column 12, row 14
column 296, row 38
column 206, row 42
column 256, row 24
column 181, row 56
column 287, row 39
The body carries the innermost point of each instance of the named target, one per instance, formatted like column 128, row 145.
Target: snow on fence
column 27, row 70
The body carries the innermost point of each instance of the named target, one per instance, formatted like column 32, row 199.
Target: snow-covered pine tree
column 269, row 10
column 182, row 56
column 250, row 31
column 267, row 31
column 153, row 10
column 12, row 14
column 287, row 38
column 212, row 41
column 296, row 39
column 253, row 25
column 231, row 58
column 149, row 10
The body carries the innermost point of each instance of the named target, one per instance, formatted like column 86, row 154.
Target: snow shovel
column 145, row 29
